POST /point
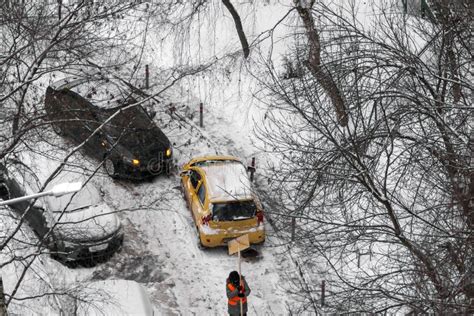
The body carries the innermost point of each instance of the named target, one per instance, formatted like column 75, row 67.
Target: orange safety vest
column 235, row 300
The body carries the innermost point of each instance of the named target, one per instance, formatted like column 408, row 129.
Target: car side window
column 195, row 177
column 202, row 193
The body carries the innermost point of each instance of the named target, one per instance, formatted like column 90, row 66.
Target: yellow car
column 219, row 194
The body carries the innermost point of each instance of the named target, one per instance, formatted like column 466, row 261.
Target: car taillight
column 260, row 217
column 206, row 219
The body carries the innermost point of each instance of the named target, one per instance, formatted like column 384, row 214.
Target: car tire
column 200, row 245
column 57, row 129
column 169, row 168
column 110, row 167
column 72, row 264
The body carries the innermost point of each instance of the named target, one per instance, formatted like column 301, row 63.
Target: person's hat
column 234, row 277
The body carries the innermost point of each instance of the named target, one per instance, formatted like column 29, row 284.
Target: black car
column 75, row 229
column 131, row 144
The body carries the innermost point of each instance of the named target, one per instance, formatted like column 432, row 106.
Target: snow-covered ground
column 161, row 250
column 161, row 244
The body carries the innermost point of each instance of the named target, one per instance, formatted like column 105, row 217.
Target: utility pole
column 147, row 77
column 201, row 115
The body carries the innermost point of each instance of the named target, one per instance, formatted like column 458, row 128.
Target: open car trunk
column 233, row 214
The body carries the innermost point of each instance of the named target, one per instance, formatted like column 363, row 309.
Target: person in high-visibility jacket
column 237, row 290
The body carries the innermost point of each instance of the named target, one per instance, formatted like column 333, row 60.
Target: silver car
column 76, row 228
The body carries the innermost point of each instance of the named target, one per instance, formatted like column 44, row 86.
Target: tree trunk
column 314, row 64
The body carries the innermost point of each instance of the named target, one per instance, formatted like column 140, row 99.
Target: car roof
column 99, row 91
column 227, row 180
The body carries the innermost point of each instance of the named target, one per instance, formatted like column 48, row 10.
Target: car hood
column 91, row 223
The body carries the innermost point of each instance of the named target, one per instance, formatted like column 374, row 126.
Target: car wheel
column 169, row 168
column 110, row 167
column 57, row 129
column 72, row 264
column 200, row 245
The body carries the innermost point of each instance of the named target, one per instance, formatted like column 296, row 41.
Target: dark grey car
column 131, row 144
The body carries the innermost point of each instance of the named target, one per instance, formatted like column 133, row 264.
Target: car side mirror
column 151, row 113
column 185, row 173
column 105, row 144
column 4, row 193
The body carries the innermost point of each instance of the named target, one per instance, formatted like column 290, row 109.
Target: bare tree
column 42, row 43
column 39, row 41
column 35, row 44
column 383, row 203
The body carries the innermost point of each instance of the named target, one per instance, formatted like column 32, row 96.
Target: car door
column 191, row 185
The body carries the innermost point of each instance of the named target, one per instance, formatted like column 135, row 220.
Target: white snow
column 114, row 297
column 80, row 214
column 92, row 222
column 227, row 181
column 161, row 249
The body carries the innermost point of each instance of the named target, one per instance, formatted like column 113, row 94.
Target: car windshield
column 233, row 210
column 127, row 123
column 87, row 196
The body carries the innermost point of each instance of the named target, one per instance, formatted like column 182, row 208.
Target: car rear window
column 233, row 210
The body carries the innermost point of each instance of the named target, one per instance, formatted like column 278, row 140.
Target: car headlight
column 168, row 152
column 133, row 161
